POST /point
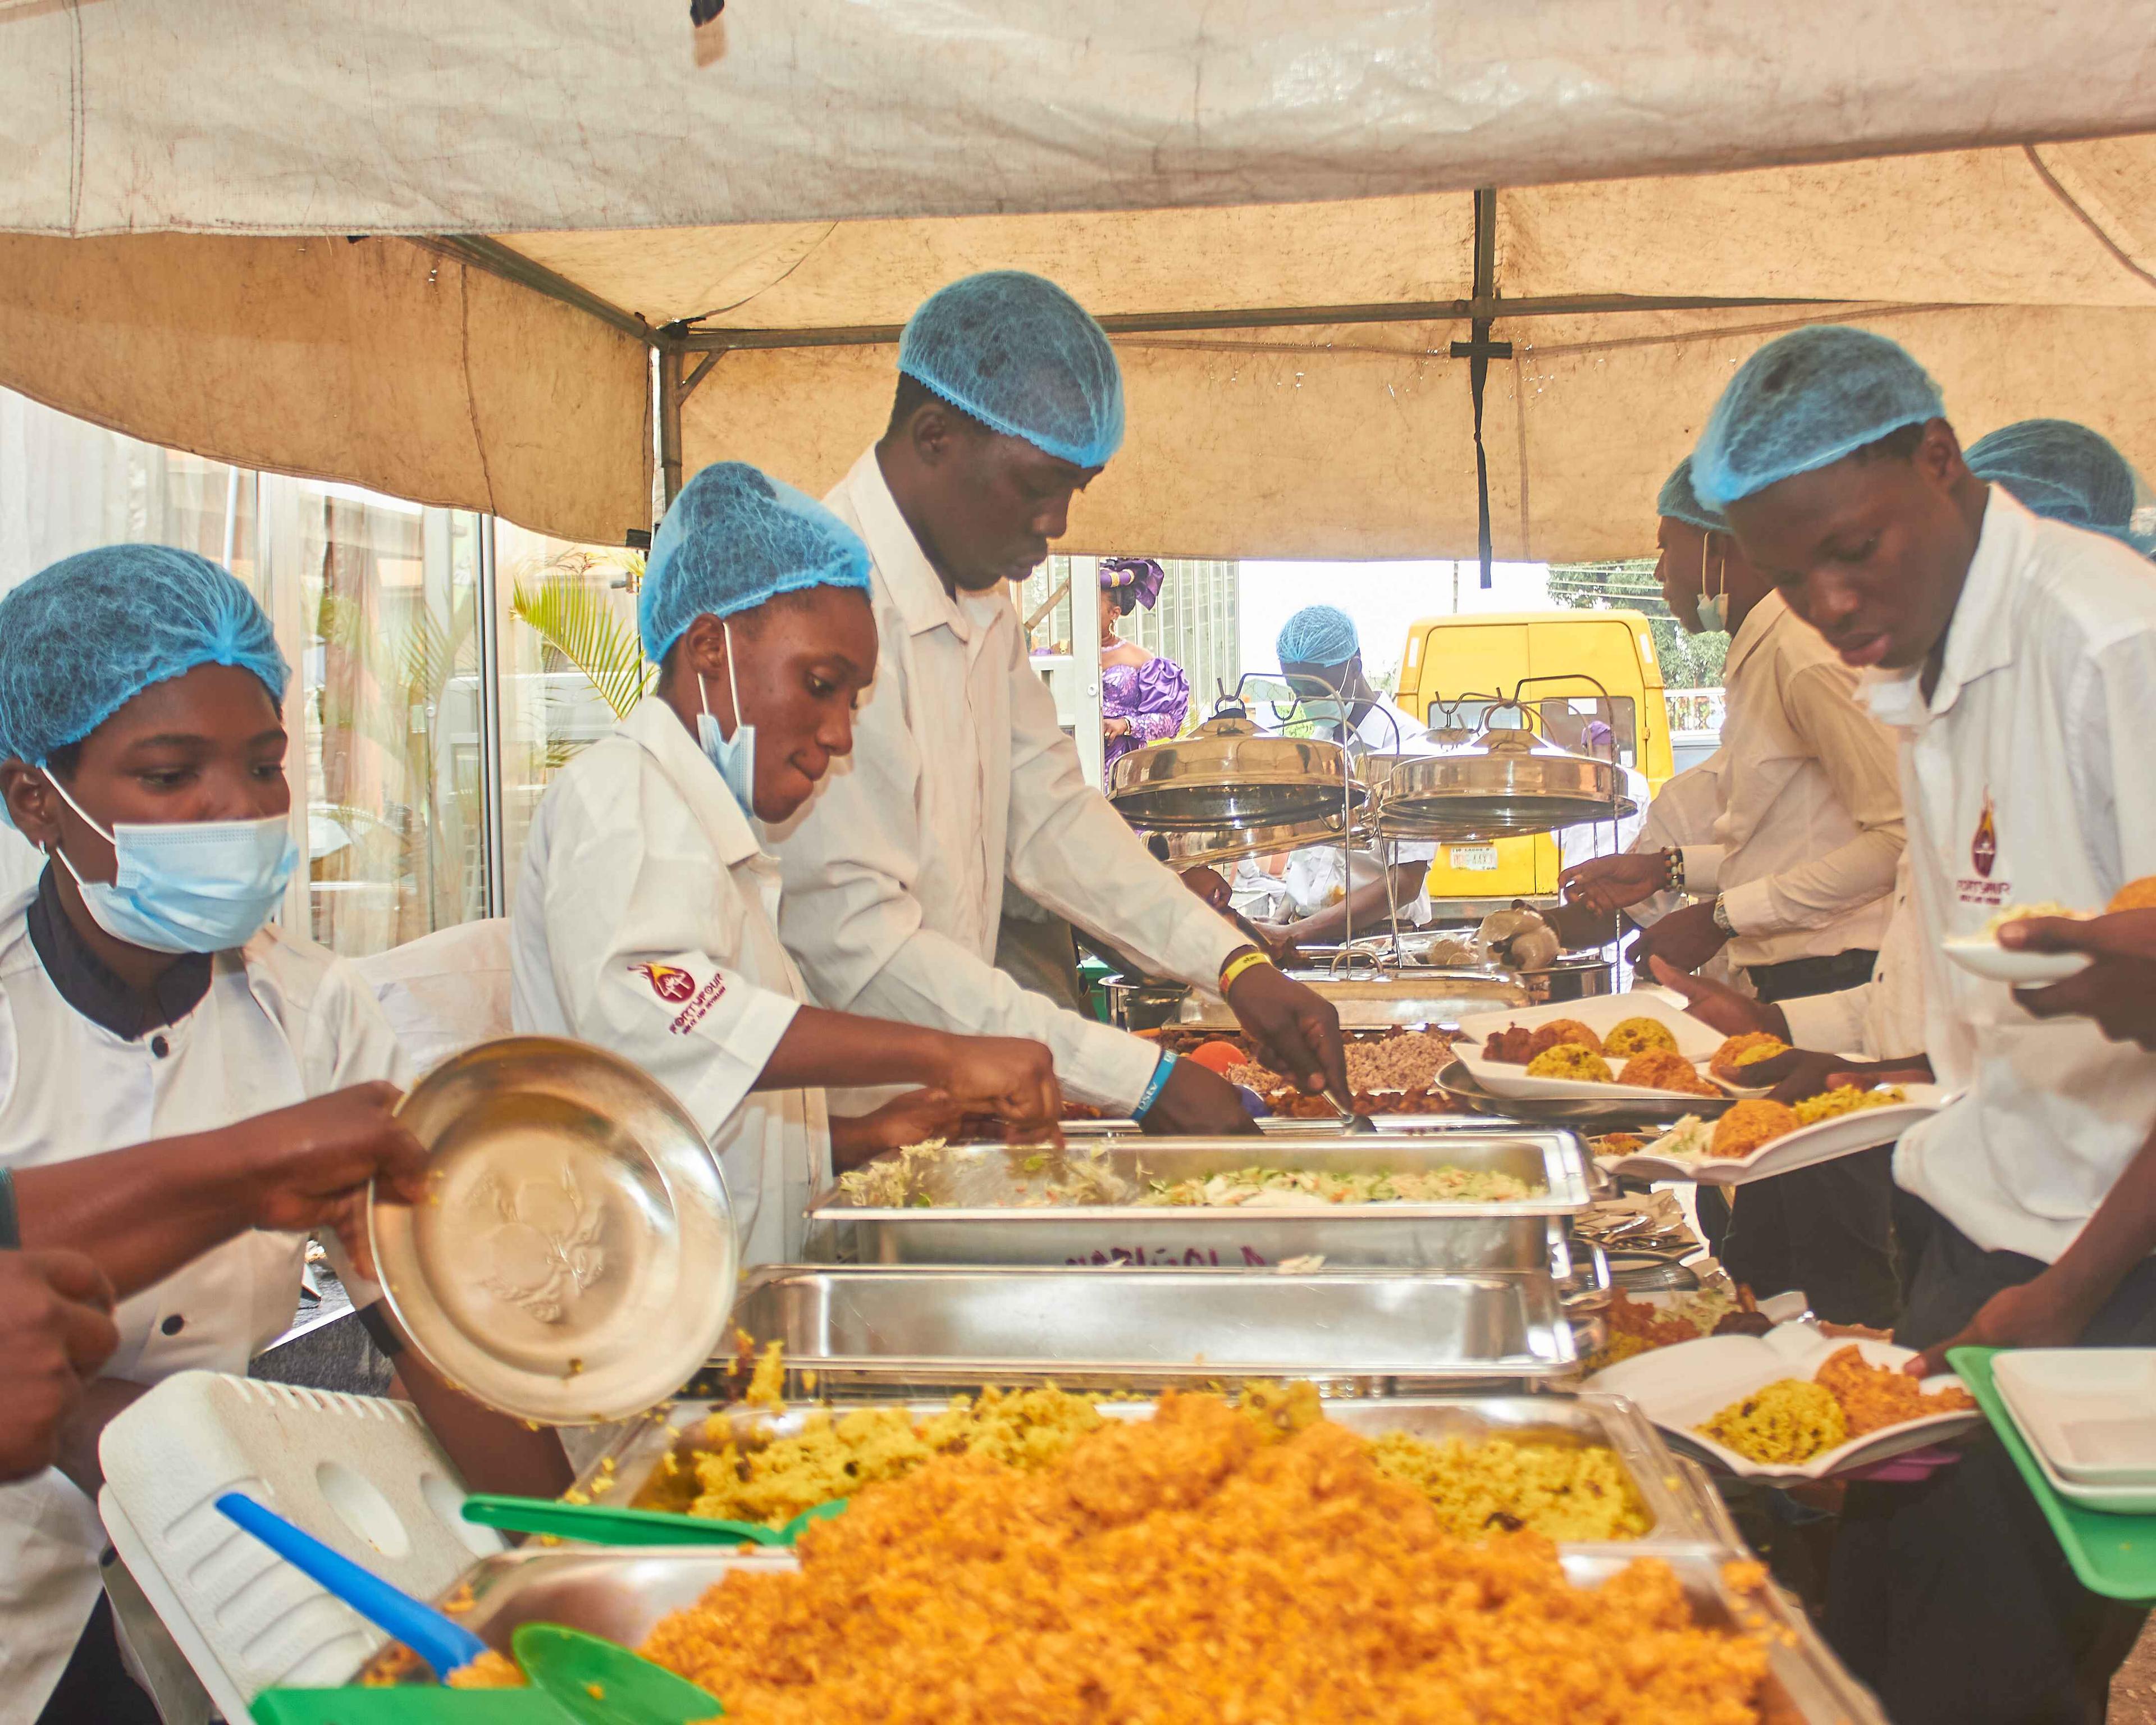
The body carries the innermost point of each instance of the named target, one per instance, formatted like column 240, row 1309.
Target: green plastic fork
column 598, row 1524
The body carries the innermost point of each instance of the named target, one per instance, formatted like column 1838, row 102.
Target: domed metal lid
column 1227, row 774
column 1508, row 785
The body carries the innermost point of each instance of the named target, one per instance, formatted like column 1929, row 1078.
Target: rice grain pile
column 1789, row 1421
column 1198, row 1567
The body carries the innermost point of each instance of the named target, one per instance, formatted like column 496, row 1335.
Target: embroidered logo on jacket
column 668, row 982
column 1983, row 847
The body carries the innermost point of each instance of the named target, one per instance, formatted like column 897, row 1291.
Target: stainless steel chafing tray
column 1320, row 1127
column 1423, row 995
column 623, row 1594
column 652, row 1464
column 988, row 1204
column 1124, row 1327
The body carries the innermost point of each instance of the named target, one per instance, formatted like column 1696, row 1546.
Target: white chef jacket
column 1604, row 838
column 960, row 778
column 2027, row 778
column 1312, row 877
column 1882, row 1020
column 284, row 1020
column 1811, row 832
column 1683, row 814
column 646, row 922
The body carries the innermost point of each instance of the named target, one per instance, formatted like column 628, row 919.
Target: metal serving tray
column 1126, row 1326
column 1678, row 1507
column 623, row 1594
column 1288, row 1126
column 980, row 1191
column 1419, row 995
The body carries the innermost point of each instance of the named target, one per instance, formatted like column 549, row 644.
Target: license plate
column 1471, row 857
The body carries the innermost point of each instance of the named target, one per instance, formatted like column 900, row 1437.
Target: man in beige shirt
column 1797, row 883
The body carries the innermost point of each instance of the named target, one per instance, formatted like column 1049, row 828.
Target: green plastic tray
column 2113, row 1555
column 410, row 1704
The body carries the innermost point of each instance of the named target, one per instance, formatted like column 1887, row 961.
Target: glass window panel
column 571, row 663
column 388, row 592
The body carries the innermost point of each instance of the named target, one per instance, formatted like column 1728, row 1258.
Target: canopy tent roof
column 1269, row 205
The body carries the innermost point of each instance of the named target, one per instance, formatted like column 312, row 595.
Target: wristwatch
column 1722, row 914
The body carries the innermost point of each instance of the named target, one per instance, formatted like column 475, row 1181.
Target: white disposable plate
column 1694, row 1040
column 2089, row 1413
column 1682, row 1387
column 2111, row 1500
column 1981, row 955
column 1805, row 1147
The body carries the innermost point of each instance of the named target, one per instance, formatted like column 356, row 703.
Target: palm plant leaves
column 575, row 618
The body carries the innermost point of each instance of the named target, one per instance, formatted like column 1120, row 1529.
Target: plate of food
column 1756, row 1138
column 1981, row 955
column 1792, row 1404
column 1640, row 1046
column 1644, row 1322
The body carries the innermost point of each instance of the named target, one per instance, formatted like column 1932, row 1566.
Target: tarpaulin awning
column 1269, row 204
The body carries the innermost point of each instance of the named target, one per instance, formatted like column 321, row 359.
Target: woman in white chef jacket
column 646, row 918
column 141, row 997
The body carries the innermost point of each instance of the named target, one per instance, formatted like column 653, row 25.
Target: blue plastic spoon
column 444, row 1644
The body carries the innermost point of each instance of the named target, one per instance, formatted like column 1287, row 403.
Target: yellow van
column 1473, row 658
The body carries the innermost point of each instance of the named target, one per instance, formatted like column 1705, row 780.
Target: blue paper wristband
column 1156, row 1083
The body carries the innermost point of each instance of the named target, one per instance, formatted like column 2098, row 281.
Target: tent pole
column 1263, row 317
column 670, row 393
column 1478, row 351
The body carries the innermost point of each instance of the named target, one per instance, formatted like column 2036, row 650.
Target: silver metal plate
column 623, row 1594
column 575, row 1258
column 936, row 1325
column 978, row 1212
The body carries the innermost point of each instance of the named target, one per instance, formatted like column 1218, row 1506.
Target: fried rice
column 1637, row 1035
column 1196, row 1567
column 1569, row 1060
column 1665, row 1069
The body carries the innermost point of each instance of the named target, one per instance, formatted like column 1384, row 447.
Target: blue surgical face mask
column 735, row 756
column 1713, row 607
column 187, row 887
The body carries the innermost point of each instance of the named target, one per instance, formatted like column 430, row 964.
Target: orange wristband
column 1235, row 967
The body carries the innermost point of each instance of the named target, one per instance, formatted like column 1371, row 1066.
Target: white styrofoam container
column 360, row 1473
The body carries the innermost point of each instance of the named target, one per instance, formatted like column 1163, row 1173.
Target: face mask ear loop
column 53, row 779
column 733, row 690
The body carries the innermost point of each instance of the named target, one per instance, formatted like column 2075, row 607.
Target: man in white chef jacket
column 143, row 997
column 1009, row 400
column 2016, row 658
column 1795, row 887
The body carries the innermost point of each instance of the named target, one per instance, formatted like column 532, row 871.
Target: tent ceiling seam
column 471, row 399
column 1834, row 312
column 2119, row 254
column 806, row 252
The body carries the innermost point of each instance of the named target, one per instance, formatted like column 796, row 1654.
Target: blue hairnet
column 1804, row 400
column 1318, row 634
column 84, row 637
column 734, row 538
column 2064, row 471
column 1679, row 502
column 1023, row 357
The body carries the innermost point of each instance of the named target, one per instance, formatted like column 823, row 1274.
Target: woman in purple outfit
column 1143, row 698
